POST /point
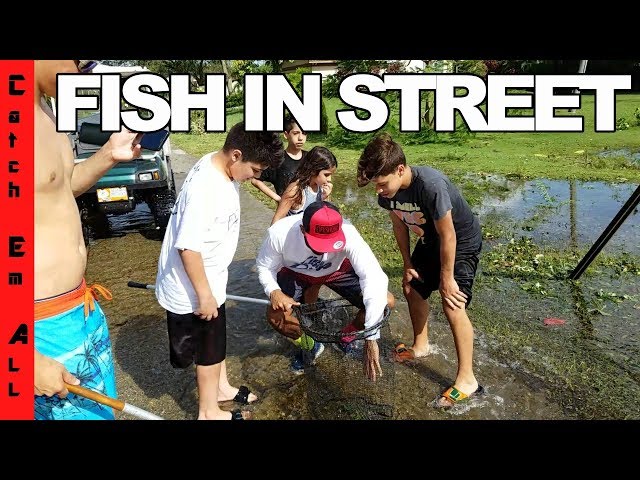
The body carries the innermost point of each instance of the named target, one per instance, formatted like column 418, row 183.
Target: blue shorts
column 83, row 346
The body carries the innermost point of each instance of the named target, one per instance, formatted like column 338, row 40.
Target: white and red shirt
column 284, row 247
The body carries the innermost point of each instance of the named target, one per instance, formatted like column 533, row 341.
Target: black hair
column 264, row 148
column 316, row 160
column 380, row 157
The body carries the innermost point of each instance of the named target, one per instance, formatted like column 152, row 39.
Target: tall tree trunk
column 227, row 74
column 201, row 77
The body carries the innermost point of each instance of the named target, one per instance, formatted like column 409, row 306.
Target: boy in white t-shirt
column 199, row 244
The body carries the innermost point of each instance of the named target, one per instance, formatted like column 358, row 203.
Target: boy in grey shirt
column 445, row 258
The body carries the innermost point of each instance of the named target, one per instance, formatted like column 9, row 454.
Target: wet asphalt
column 259, row 358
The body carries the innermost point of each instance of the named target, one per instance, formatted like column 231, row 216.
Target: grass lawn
column 524, row 155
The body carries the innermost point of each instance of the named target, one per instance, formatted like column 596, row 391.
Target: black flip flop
column 242, row 396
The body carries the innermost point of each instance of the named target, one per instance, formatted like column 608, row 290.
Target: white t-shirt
column 205, row 219
column 284, row 246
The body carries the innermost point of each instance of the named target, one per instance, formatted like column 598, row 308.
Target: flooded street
column 259, row 358
column 570, row 213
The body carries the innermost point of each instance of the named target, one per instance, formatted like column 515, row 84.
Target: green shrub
column 236, row 99
column 622, row 124
column 341, row 138
column 324, row 119
column 197, row 122
column 331, row 87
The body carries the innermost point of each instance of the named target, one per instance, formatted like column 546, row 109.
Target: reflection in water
column 585, row 329
column 553, row 212
column 598, row 343
column 140, row 218
column 111, row 225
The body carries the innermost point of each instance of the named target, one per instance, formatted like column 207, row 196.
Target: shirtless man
column 72, row 341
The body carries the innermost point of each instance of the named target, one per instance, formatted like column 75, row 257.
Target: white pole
column 237, row 298
column 581, row 69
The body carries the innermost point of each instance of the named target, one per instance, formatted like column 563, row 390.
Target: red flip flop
column 401, row 353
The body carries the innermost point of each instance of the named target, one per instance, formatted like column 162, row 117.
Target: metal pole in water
column 618, row 220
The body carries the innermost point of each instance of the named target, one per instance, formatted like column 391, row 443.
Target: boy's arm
column 449, row 289
column 119, row 148
column 269, row 261
column 50, row 376
column 286, row 202
column 447, row 234
column 401, row 232
column 194, row 266
column 190, row 236
column 260, row 185
column 374, row 283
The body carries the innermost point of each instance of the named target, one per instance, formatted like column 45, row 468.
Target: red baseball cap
column 322, row 224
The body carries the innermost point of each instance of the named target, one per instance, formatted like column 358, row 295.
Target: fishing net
column 337, row 388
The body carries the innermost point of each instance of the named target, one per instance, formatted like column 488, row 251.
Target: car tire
column 162, row 203
column 86, row 233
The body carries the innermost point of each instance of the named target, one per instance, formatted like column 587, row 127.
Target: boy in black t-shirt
column 281, row 177
column 445, row 258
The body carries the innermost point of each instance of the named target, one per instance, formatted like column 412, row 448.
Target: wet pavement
column 259, row 358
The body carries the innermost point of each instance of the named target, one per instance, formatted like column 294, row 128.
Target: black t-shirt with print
column 429, row 197
column 281, row 177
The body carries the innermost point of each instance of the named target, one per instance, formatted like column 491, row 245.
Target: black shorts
column 193, row 340
column 426, row 261
column 343, row 281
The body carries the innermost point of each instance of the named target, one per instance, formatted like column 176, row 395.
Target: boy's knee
column 288, row 327
column 391, row 300
column 275, row 318
column 411, row 294
column 454, row 314
column 312, row 293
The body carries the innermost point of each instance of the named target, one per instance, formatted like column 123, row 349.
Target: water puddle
column 140, row 219
column 566, row 213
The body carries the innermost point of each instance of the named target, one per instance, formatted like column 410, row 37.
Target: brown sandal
column 401, row 353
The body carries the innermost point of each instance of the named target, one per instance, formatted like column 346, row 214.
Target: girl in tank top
column 312, row 177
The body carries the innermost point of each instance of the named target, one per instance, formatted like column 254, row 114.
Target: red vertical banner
column 16, row 239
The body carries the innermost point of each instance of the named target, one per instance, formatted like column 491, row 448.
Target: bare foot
column 421, row 352
column 229, row 393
